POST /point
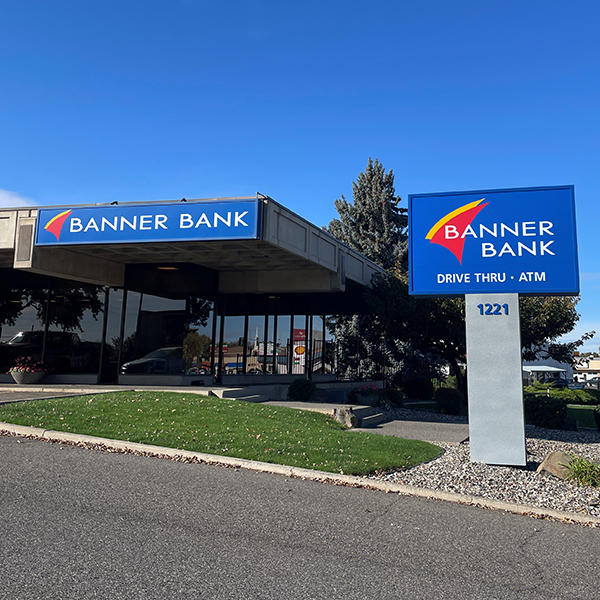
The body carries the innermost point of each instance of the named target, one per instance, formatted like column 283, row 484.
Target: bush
column 545, row 411
column 418, row 388
column 583, row 471
column 565, row 394
column 597, row 416
column 301, row 390
column 394, row 396
column 449, row 400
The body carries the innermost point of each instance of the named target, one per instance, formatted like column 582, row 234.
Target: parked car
column 165, row 361
column 197, row 371
column 63, row 349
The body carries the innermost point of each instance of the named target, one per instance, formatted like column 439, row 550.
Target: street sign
column 151, row 222
column 494, row 241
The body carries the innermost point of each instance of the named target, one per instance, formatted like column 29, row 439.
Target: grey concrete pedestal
column 494, row 379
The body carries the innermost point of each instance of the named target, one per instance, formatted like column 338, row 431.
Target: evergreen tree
column 375, row 226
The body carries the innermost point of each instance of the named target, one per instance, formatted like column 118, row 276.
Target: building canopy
column 250, row 254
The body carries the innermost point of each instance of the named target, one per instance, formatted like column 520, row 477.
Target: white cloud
column 10, row 199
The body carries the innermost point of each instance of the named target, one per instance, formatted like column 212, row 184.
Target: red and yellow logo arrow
column 55, row 224
column 448, row 231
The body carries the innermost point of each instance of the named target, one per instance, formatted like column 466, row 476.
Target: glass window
column 155, row 329
column 299, row 344
column 282, row 344
column 74, row 339
column 24, row 336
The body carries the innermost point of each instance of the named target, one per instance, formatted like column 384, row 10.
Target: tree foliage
column 544, row 319
column 374, row 225
column 65, row 310
column 195, row 346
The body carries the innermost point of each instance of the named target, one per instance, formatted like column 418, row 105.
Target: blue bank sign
column 156, row 222
column 494, row 241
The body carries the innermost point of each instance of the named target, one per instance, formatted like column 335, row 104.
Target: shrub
column 565, row 394
column 545, row 411
column 449, row 400
column 394, row 396
column 584, row 471
column 301, row 390
column 597, row 416
column 418, row 388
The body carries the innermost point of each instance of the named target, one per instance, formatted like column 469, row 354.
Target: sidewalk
column 412, row 430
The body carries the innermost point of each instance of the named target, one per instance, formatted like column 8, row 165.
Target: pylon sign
column 494, row 241
column 491, row 246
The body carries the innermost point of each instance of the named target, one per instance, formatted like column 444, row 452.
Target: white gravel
column 453, row 472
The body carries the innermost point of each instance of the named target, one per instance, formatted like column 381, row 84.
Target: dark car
column 62, row 349
column 165, row 361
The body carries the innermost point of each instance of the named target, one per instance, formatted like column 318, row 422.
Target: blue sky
column 151, row 100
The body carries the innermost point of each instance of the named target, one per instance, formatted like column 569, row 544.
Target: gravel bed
column 453, row 472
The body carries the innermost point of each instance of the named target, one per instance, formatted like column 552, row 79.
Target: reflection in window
column 164, row 336
column 75, row 330
column 23, row 337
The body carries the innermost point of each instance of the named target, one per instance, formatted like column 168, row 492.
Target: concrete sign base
column 494, row 379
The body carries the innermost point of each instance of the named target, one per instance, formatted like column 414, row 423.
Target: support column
column 311, row 349
column 103, row 343
column 306, row 347
column 46, row 324
column 213, row 338
column 245, row 346
column 121, row 332
column 494, row 379
column 290, row 358
column 220, row 366
column 323, row 345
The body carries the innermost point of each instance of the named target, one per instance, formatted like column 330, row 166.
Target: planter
column 24, row 377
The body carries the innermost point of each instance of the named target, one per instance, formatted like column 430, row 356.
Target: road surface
column 77, row 523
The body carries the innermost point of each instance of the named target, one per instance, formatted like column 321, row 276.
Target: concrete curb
column 301, row 473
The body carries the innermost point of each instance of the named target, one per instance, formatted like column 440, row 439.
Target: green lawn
column 224, row 427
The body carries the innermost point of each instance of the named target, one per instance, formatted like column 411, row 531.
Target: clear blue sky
column 152, row 100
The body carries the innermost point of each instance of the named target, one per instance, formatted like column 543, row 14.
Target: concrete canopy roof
column 291, row 262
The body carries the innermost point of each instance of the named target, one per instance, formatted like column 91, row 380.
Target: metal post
column 306, row 346
column 323, row 346
column 311, row 348
column 245, row 348
column 290, row 357
column 275, row 345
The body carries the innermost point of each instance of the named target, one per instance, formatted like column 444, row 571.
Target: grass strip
column 224, row 427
